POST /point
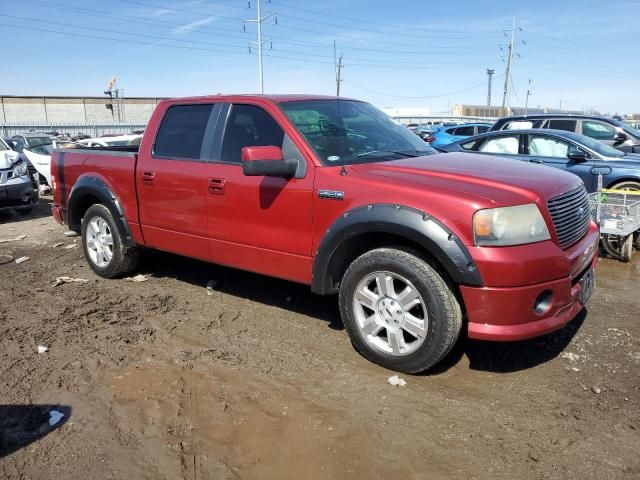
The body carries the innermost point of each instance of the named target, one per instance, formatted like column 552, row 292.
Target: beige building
column 72, row 110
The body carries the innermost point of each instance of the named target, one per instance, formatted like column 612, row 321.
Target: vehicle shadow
column 41, row 210
column 255, row 287
column 508, row 357
column 21, row 425
column 498, row 357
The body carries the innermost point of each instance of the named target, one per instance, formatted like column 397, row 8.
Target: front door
column 262, row 224
column 171, row 181
column 554, row 152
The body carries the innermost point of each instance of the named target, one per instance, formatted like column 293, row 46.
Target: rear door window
column 182, row 131
column 518, row 125
column 598, row 130
column 464, row 131
column 507, row 145
column 559, row 124
column 483, row 128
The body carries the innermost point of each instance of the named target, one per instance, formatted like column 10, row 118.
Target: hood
column 632, row 157
column 501, row 181
column 8, row 158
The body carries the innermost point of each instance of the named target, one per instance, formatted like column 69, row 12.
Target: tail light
column 429, row 139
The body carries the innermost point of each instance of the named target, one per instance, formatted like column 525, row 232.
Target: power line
column 302, row 29
column 387, row 25
column 134, row 42
column 415, row 97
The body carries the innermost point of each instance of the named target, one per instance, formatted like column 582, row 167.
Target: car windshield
column 37, row 141
column 600, row 147
column 346, row 131
column 3, row 146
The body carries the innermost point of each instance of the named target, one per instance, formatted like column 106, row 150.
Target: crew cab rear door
column 171, row 181
column 262, row 224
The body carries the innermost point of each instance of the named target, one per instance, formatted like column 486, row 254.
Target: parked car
column 446, row 135
column 110, row 141
column 607, row 130
column 578, row 154
column 413, row 127
column 334, row 194
column 425, row 130
column 30, row 140
column 17, row 188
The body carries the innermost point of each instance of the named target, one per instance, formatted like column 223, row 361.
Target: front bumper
column 20, row 194
column 508, row 313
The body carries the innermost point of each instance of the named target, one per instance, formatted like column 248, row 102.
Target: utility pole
column 526, row 102
column 258, row 21
column 338, row 65
column 490, row 72
column 507, row 79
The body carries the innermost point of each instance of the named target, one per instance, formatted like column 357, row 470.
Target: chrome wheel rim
column 390, row 313
column 99, row 242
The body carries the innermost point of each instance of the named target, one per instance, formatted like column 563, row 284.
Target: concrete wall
column 43, row 110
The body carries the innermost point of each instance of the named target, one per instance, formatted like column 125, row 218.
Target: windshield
column 600, row 147
column 37, row 141
column 346, row 131
column 3, row 146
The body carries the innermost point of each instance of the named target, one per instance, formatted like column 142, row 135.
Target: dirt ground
column 160, row 379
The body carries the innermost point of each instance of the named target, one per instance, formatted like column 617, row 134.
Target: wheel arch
column 90, row 190
column 372, row 226
column 617, row 181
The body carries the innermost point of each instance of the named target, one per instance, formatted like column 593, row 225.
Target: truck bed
column 115, row 167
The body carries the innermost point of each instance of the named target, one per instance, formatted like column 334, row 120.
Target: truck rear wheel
column 102, row 244
column 399, row 311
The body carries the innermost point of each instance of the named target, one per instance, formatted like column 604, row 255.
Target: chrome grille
column 571, row 216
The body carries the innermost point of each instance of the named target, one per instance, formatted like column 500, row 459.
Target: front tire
column 398, row 310
column 102, row 244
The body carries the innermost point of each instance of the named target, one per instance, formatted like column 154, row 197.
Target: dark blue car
column 569, row 151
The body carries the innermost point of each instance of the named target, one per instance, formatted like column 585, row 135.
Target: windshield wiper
column 383, row 153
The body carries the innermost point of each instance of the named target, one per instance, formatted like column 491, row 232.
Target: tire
column 633, row 186
column 108, row 261
column 383, row 325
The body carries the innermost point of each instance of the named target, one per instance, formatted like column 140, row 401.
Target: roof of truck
column 277, row 98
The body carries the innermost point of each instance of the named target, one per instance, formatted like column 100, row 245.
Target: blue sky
column 584, row 54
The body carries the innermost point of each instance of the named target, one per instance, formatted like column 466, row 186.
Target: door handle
column 148, row 178
column 216, row 186
column 535, row 160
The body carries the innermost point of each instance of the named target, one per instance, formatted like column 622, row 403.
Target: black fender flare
column 417, row 226
column 96, row 187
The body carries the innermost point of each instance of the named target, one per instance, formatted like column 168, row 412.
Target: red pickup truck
column 330, row 192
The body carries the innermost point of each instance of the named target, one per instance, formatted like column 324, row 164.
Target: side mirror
column 578, row 156
column 620, row 137
column 266, row 161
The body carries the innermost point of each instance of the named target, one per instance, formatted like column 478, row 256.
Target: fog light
column 543, row 303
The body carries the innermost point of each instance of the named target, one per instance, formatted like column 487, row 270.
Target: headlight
column 20, row 169
column 506, row 226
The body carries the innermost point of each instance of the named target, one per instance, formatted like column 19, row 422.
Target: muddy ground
column 258, row 380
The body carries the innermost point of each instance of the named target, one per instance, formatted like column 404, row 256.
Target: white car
column 118, row 141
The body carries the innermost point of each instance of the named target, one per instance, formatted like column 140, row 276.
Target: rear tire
column 398, row 310
column 102, row 244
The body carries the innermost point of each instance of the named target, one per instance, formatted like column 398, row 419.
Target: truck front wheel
column 102, row 244
column 399, row 311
